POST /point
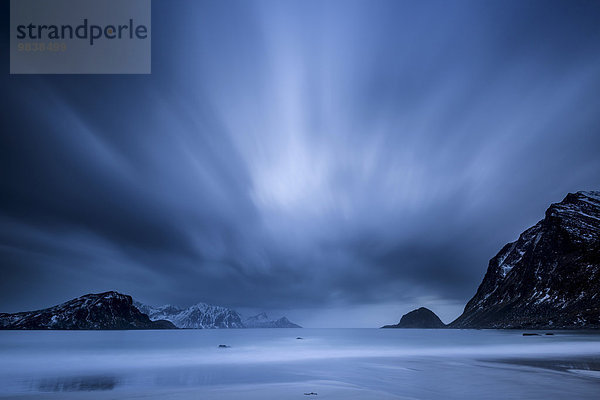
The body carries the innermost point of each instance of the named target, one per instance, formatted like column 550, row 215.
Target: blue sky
column 340, row 162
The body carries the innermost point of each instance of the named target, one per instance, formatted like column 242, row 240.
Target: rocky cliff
column 549, row 277
column 109, row 310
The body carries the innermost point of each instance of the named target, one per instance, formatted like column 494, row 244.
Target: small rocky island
column 109, row 310
column 422, row 318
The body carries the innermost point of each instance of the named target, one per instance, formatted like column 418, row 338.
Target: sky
column 338, row 162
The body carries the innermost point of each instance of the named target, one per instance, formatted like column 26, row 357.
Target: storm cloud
column 319, row 159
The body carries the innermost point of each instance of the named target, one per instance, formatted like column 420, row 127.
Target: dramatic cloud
column 337, row 161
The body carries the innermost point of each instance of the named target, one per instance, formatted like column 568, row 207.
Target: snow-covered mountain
column 109, row 310
column 262, row 321
column 198, row 316
column 549, row 277
column 205, row 316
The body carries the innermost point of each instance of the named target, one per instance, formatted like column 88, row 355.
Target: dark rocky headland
column 109, row 310
column 547, row 279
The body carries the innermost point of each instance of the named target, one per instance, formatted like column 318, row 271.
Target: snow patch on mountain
column 548, row 277
column 198, row 316
column 206, row 316
column 109, row 310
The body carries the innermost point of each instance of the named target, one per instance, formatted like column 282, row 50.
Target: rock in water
column 422, row 318
column 549, row 278
column 109, row 310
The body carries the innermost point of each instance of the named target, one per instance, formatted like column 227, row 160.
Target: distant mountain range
column 205, row 316
column 549, row 278
column 198, row 316
column 262, row 321
column 109, row 310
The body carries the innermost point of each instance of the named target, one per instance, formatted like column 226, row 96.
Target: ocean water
column 299, row 363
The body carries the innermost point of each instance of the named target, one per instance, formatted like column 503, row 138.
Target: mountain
column 262, row 321
column 109, row 310
column 549, row 277
column 205, row 316
column 422, row 318
column 198, row 316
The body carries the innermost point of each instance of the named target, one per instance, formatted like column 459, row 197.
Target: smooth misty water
column 272, row 363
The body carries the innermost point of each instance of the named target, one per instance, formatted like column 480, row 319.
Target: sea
column 300, row 364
